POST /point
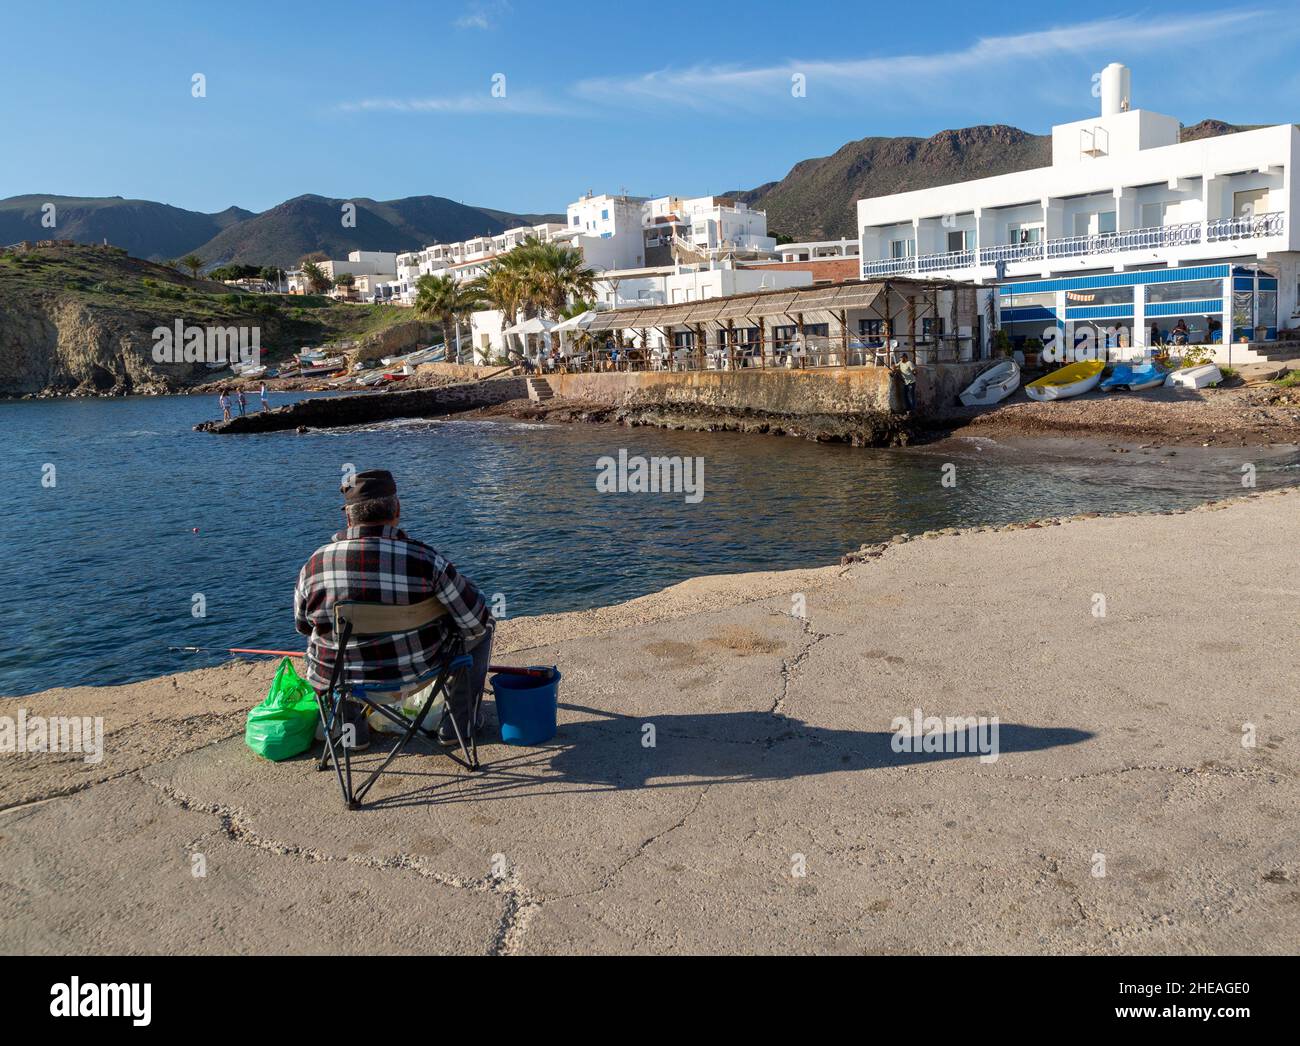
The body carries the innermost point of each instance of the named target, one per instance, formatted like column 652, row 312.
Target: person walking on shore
column 266, row 404
column 224, row 401
column 243, row 402
column 907, row 374
column 372, row 561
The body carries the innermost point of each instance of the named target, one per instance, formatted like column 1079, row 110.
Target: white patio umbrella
column 566, row 328
column 532, row 325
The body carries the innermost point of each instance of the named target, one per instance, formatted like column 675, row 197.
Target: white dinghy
column 996, row 383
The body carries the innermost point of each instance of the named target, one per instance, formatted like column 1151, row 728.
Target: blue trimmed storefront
column 1143, row 305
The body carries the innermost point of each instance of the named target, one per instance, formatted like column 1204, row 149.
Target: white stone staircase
column 539, row 390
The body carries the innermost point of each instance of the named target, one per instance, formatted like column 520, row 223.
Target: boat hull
column 1195, row 377
column 993, row 385
column 1074, row 380
column 1128, row 378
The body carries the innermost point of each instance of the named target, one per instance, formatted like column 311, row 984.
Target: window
column 1042, row 299
column 1187, row 290
column 1122, row 295
column 1249, row 202
column 1024, row 234
column 871, row 328
column 902, row 248
column 1093, row 223
column 959, row 240
column 576, row 220
column 604, row 215
column 1153, row 214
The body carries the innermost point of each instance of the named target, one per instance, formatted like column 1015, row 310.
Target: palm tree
column 501, row 287
column 273, row 275
column 444, row 299
column 192, row 262
column 556, row 274
column 317, row 279
column 545, row 276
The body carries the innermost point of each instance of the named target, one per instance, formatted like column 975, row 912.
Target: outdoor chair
column 353, row 619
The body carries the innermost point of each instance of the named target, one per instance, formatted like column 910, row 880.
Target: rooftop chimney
column 1116, row 89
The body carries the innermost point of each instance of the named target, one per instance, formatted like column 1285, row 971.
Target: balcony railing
column 1248, row 227
column 1218, row 230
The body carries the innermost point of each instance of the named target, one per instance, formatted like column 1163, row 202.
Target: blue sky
column 661, row 97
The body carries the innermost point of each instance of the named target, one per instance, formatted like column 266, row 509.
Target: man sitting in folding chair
column 412, row 623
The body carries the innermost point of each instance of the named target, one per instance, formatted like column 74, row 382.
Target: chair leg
column 330, row 754
column 471, row 760
column 338, row 693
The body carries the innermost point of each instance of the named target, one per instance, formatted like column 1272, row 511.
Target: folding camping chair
column 353, row 619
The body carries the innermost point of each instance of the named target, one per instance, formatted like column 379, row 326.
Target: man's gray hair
column 377, row 510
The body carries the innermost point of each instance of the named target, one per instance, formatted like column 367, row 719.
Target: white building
column 1128, row 228
column 817, row 250
column 644, row 287
column 363, row 263
column 464, row 259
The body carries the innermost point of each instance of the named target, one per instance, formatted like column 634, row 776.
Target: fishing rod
column 236, row 650
column 537, row 673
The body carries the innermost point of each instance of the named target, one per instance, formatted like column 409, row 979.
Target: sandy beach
column 1124, row 813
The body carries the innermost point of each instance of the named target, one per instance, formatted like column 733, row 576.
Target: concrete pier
column 336, row 411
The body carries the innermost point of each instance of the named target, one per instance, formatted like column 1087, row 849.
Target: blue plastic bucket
column 526, row 707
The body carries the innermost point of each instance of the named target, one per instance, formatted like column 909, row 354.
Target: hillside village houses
column 1127, row 233
column 646, row 250
column 1128, row 230
column 369, row 269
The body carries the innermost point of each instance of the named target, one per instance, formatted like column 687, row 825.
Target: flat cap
column 367, row 486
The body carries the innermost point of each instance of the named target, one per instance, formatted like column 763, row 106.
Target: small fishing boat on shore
column 1072, row 380
column 1133, row 377
column 322, row 368
column 1195, row 377
column 996, row 383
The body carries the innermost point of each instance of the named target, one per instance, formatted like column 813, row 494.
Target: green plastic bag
column 284, row 725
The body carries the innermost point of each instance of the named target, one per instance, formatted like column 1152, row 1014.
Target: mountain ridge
column 815, row 200
column 817, row 197
column 280, row 235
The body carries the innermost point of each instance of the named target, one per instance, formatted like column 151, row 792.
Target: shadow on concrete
column 609, row 753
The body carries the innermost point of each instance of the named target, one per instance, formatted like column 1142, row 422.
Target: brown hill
column 817, row 199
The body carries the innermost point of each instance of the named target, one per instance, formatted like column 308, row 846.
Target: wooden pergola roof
column 786, row 302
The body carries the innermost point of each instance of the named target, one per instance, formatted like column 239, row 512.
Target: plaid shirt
column 380, row 564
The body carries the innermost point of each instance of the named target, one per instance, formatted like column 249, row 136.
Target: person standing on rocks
column 224, row 400
column 243, row 402
column 907, row 374
column 266, row 405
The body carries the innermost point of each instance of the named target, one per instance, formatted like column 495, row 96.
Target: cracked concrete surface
column 712, row 745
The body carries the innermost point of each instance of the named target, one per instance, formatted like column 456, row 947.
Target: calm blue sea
column 101, row 571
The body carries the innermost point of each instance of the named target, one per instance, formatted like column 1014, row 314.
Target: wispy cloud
column 994, row 61
column 470, row 104
column 485, row 14
column 1049, row 65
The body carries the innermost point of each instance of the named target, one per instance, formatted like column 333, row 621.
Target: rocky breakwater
column 363, row 408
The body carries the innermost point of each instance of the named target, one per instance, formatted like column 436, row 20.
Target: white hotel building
column 1128, row 228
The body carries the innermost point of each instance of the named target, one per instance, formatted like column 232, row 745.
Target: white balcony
column 1217, row 230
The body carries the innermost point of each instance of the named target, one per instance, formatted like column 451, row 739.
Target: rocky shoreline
column 858, row 429
column 1245, row 416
